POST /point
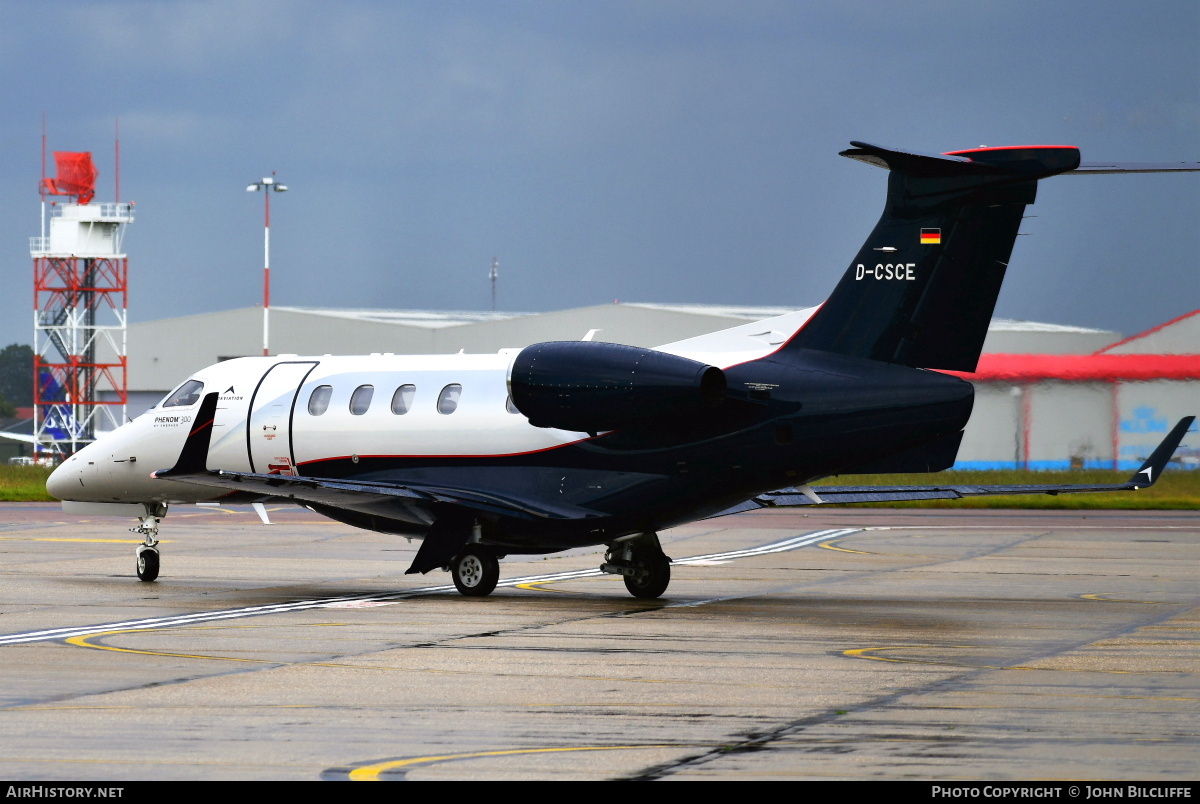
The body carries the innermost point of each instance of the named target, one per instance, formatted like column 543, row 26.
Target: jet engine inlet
column 589, row 386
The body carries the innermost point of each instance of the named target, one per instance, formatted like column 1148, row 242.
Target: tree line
column 16, row 378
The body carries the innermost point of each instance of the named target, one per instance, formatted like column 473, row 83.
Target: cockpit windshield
column 185, row 395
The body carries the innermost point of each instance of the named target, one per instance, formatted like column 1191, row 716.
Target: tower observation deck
column 81, row 292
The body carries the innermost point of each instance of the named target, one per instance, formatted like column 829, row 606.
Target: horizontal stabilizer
column 1136, row 167
column 1026, row 161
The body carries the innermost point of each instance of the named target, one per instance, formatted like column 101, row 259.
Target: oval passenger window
column 448, row 399
column 318, row 402
column 402, row 399
column 361, row 399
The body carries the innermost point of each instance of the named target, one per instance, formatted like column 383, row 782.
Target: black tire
column 147, row 565
column 654, row 575
column 475, row 571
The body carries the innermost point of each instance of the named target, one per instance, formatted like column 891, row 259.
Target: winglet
column 1148, row 475
column 193, row 458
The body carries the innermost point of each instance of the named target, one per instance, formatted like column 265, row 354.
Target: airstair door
column 269, row 428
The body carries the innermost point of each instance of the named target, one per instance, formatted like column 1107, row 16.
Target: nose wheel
column 475, row 571
column 147, row 563
column 147, row 552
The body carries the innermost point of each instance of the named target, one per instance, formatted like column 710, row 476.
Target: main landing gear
column 147, row 552
column 642, row 562
column 475, row 570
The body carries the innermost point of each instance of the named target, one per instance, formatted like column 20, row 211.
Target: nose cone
column 63, row 479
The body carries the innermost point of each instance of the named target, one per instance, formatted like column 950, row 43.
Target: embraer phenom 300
column 571, row 444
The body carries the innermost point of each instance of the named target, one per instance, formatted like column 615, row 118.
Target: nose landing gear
column 147, row 552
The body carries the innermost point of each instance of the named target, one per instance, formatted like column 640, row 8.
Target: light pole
column 493, row 275
column 268, row 185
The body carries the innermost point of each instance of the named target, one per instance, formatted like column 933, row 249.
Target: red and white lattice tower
column 80, row 294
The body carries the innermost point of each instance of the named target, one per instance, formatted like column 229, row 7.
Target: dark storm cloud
column 670, row 151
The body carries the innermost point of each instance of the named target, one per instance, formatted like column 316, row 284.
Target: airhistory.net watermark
column 52, row 791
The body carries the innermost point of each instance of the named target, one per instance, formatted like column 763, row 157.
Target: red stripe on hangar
column 1082, row 368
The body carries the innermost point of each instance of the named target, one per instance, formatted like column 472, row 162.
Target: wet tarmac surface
column 884, row 644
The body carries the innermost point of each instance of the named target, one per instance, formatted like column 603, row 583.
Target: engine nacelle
column 589, row 386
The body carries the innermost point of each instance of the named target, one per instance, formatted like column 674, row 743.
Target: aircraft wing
column 1144, row 477
column 359, row 495
column 25, row 439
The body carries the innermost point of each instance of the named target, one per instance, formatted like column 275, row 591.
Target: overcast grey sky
column 643, row 151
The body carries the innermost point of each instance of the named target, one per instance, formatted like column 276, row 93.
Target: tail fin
column 922, row 289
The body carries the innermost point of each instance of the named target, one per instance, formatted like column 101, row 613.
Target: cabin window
column 402, row 399
column 185, row 395
column 509, row 406
column 318, row 401
column 448, row 399
column 360, row 400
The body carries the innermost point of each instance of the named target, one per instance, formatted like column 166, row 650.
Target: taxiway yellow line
column 82, row 641
column 1097, row 596
column 833, row 546
column 540, row 586
column 370, row 773
column 864, row 653
column 93, row 541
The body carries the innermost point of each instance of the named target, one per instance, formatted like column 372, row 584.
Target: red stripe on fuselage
column 444, row 457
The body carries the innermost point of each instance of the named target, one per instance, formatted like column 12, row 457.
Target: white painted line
column 383, row 599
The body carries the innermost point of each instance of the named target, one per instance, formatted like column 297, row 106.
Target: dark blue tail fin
column 922, row 289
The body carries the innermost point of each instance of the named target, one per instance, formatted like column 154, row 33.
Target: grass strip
column 1175, row 490
column 24, row 484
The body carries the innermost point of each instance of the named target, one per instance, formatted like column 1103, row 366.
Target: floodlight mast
column 268, row 185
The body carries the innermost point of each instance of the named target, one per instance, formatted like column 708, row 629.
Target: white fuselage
column 263, row 423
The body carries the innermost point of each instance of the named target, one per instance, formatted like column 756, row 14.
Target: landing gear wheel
column 475, row 571
column 652, row 578
column 147, row 564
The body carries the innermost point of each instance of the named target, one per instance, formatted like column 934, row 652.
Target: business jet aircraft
column 571, row 444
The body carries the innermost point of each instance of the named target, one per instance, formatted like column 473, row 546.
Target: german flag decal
column 931, row 237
